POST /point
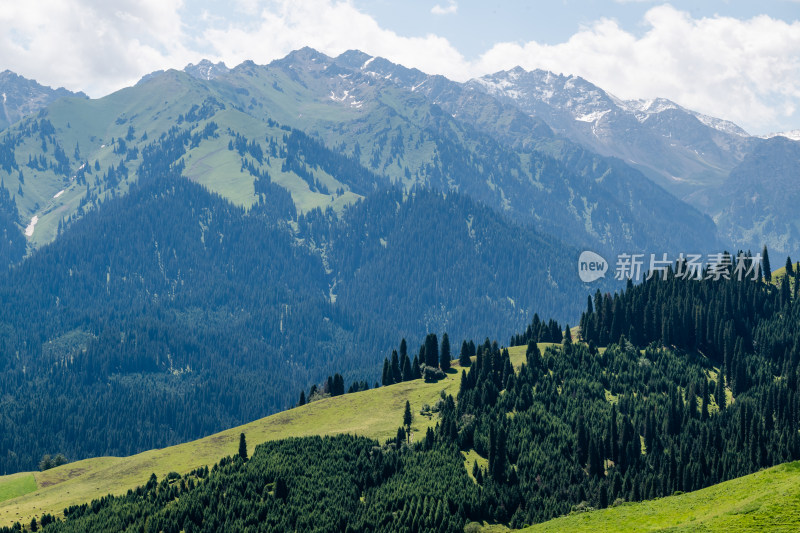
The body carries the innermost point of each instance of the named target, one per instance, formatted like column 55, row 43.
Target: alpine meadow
column 320, row 289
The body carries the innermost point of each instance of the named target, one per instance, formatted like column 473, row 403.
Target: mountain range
column 552, row 150
column 248, row 231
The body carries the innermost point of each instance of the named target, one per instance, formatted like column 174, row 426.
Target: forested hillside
column 573, row 428
column 169, row 313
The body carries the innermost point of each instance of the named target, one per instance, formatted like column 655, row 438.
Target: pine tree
column 719, row 393
column 408, row 417
column 405, row 368
column 789, row 266
column 583, row 442
column 463, row 358
column 613, row 436
column 786, row 293
column 397, row 376
column 281, row 490
column 498, row 468
column 444, row 357
column 765, row 268
column 403, row 348
column 387, row 378
column 338, row 385
column 595, row 461
column 242, row 447
column 416, row 373
column 302, row 398
column 432, row 350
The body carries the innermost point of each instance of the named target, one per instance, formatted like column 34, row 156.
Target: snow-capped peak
column 793, row 135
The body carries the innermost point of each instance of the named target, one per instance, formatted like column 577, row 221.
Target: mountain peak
column 353, row 58
column 22, row 97
column 206, row 70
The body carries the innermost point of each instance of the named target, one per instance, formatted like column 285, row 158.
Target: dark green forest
column 576, row 427
column 168, row 313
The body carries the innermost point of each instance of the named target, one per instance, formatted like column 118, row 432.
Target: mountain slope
column 680, row 149
column 757, row 204
column 373, row 413
column 600, row 193
column 22, row 97
column 766, row 500
column 379, row 121
column 221, row 314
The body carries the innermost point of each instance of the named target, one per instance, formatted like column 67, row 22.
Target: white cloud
column 450, row 9
column 747, row 71
column 90, row 45
column 331, row 27
column 743, row 70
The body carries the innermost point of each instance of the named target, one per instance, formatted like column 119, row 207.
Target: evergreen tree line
column 539, row 331
column 342, row 483
column 569, row 428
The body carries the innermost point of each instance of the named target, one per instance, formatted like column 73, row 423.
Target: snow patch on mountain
column 584, row 101
column 594, row 116
column 31, row 226
column 725, row 126
column 793, row 135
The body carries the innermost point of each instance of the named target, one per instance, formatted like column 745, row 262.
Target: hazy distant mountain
column 22, row 97
column 680, row 149
column 758, row 203
column 794, row 135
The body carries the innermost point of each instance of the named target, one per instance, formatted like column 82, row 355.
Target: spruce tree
column 765, row 268
column 789, row 266
column 719, row 393
column 786, row 293
column 405, row 368
column 242, row 447
column 444, row 357
column 408, row 417
column 583, row 442
column 397, row 376
column 416, row 373
column 432, row 350
column 463, row 358
column 302, row 398
column 500, row 455
column 338, row 385
column 613, row 436
column 387, row 378
column 595, row 461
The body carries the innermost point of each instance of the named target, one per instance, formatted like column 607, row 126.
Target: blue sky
column 475, row 26
column 735, row 59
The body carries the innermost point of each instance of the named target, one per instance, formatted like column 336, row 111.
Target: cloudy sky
column 736, row 59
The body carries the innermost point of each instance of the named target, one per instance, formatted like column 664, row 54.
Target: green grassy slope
column 374, row 413
column 15, row 485
column 765, row 501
